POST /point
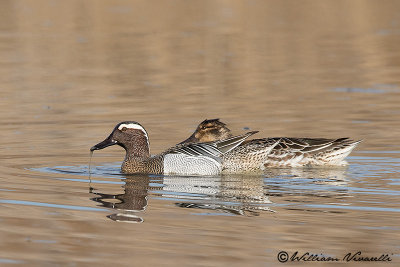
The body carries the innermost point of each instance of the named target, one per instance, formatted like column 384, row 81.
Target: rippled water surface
column 71, row 70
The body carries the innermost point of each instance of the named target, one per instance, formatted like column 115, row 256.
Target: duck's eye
column 206, row 127
column 123, row 129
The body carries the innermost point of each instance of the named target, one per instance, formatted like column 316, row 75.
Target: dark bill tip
column 191, row 139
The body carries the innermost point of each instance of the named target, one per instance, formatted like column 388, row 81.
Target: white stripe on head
column 134, row 126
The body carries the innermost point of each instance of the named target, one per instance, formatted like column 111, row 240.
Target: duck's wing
column 230, row 143
column 199, row 149
column 212, row 149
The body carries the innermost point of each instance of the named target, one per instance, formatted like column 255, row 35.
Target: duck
column 188, row 158
column 209, row 131
column 288, row 151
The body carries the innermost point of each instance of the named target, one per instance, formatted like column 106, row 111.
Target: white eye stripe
column 134, row 126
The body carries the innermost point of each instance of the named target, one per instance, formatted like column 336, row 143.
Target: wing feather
column 213, row 149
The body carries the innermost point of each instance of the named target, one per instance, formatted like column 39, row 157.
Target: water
column 71, row 70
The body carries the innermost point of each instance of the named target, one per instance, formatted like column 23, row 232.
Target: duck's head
column 209, row 131
column 130, row 135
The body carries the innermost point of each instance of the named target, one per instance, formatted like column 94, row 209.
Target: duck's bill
column 103, row 144
column 191, row 139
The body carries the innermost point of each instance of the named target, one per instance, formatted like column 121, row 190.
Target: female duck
column 287, row 151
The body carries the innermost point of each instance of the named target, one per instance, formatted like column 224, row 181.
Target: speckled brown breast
column 152, row 165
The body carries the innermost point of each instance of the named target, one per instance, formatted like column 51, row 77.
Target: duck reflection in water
column 130, row 203
column 250, row 195
column 222, row 195
column 229, row 195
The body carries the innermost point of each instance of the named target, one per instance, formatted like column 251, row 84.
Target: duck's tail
column 310, row 151
column 337, row 152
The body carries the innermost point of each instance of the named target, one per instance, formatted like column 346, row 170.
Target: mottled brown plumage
column 209, row 131
column 288, row 151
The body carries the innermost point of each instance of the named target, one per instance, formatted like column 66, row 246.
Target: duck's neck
column 138, row 147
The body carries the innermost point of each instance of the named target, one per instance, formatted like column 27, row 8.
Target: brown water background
column 70, row 70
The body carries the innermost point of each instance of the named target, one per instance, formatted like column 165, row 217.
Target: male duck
column 288, row 152
column 204, row 158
